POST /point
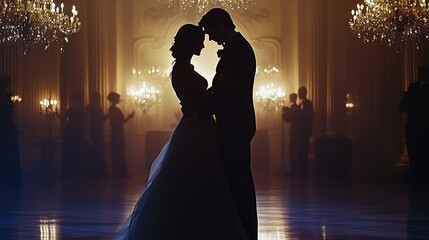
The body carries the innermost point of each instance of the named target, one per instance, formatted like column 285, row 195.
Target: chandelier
column 30, row 23
column 268, row 95
column 391, row 21
column 146, row 95
column 202, row 6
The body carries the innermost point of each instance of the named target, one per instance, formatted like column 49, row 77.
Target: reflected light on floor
column 48, row 229
column 272, row 215
column 324, row 232
column 273, row 235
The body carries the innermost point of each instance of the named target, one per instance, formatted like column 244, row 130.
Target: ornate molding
column 259, row 16
column 270, row 48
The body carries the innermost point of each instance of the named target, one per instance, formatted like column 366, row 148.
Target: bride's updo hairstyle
column 185, row 39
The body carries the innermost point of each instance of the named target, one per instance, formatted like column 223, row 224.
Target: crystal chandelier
column 145, row 95
column 202, row 6
column 30, row 23
column 391, row 21
column 268, row 95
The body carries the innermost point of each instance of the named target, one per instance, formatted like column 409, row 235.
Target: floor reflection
column 48, row 229
column 288, row 209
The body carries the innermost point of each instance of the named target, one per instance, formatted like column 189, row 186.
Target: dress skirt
column 186, row 196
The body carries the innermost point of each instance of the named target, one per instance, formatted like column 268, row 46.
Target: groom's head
column 217, row 23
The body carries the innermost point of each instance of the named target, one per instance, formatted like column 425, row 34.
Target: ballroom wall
column 308, row 40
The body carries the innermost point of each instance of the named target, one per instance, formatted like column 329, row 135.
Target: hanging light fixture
column 30, row 23
column 393, row 22
column 146, row 94
column 202, row 6
column 268, row 95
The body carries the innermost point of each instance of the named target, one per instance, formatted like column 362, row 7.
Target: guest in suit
column 10, row 167
column 305, row 131
column 117, row 136
column 232, row 105
column 290, row 115
column 416, row 105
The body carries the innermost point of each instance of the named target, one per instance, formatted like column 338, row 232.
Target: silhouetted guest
column 290, row 115
column 117, row 121
column 75, row 145
column 304, row 131
column 416, row 105
column 10, row 167
column 96, row 133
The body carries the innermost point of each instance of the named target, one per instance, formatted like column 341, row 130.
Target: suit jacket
column 416, row 105
column 232, row 102
column 305, row 118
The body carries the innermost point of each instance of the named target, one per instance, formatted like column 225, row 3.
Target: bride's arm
column 207, row 106
column 220, row 80
column 184, row 91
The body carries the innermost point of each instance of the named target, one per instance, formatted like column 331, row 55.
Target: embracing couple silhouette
column 201, row 185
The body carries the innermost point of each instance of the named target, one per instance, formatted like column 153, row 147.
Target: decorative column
column 333, row 151
column 312, row 69
column 336, row 66
column 290, row 67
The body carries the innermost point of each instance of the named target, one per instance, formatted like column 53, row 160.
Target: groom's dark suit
column 232, row 105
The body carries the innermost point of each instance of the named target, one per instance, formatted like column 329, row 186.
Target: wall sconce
column 16, row 99
column 350, row 105
column 49, row 145
column 47, row 107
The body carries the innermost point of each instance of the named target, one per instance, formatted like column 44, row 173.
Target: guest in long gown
column 117, row 136
column 96, row 116
column 10, row 167
column 75, row 145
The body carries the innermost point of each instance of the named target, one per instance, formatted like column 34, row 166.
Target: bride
column 186, row 196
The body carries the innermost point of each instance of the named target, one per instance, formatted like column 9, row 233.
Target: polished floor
column 289, row 208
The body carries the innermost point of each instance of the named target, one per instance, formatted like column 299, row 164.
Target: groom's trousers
column 237, row 158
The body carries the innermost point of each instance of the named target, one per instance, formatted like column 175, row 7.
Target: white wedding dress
column 186, row 196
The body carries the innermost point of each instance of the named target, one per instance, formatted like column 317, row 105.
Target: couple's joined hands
column 218, row 82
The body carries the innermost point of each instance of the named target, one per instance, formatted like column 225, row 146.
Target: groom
column 232, row 105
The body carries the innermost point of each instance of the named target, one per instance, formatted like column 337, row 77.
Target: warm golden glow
column 36, row 22
column 391, row 21
column 268, row 94
column 16, row 98
column 146, row 95
column 202, row 6
column 47, row 106
column 270, row 97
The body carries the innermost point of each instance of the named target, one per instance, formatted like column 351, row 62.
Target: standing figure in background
column 290, row 115
column 117, row 122
column 75, row 145
column 96, row 132
column 10, row 167
column 305, row 131
column 416, row 105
